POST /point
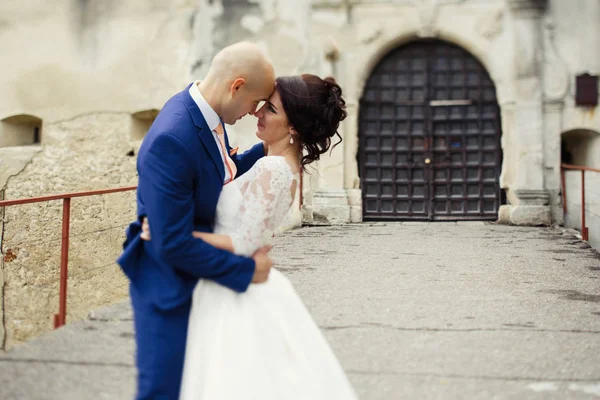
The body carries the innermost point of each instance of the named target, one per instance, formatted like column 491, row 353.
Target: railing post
column 300, row 187
column 61, row 318
column 584, row 229
column 564, row 189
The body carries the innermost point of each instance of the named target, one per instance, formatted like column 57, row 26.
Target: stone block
column 558, row 215
column 504, row 214
column 354, row 197
column 324, row 197
column 85, row 153
column 307, row 214
column 330, row 207
column 355, row 203
column 532, row 197
column 331, row 215
column 530, row 215
column 356, row 214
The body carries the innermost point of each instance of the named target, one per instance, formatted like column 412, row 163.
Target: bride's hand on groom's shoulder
column 263, row 264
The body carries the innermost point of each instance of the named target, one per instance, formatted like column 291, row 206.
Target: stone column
column 553, row 112
column 328, row 202
column 528, row 192
column 556, row 78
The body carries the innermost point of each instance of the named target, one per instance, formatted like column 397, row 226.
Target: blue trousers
column 160, row 338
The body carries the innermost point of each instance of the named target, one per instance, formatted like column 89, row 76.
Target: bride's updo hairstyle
column 314, row 108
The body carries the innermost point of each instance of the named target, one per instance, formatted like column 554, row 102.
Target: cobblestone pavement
column 413, row 311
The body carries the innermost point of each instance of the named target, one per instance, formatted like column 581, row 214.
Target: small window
column 20, row 130
column 141, row 122
column 581, row 147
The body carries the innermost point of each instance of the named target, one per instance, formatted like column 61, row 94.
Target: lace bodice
column 251, row 207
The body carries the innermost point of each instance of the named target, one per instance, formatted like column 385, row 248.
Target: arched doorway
column 429, row 136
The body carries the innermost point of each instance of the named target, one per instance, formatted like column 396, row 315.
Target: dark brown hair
column 314, row 108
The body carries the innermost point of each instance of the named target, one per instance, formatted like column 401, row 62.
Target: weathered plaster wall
column 571, row 31
column 280, row 27
column 577, row 38
column 69, row 57
column 592, row 204
column 531, row 57
column 95, row 72
column 83, row 153
column 82, row 67
column 582, row 148
column 367, row 31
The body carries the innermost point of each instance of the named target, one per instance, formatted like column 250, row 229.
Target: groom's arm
column 166, row 184
column 246, row 160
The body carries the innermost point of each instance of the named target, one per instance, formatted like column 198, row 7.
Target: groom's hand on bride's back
column 263, row 264
column 261, row 257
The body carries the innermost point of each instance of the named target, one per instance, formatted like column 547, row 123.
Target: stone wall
column 572, row 29
column 582, row 147
column 84, row 153
column 592, row 204
column 533, row 49
column 280, row 27
column 79, row 69
column 66, row 58
column 92, row 74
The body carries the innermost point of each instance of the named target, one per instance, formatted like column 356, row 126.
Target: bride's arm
column 222, row 242
column 257, row 214
column 262, row 209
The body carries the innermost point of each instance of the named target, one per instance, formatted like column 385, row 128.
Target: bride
column 263, row 344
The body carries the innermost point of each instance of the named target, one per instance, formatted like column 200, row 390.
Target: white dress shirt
column 212, row 119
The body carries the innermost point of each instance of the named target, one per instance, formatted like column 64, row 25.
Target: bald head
column 240, row 74
column 242, row 60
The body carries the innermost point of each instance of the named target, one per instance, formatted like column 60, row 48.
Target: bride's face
column 273, row 125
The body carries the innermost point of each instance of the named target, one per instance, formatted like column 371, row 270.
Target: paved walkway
column 413, row 310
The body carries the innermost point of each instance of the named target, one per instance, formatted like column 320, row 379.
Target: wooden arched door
column 429, row 130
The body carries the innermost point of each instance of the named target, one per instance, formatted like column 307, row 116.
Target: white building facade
column 458, row 110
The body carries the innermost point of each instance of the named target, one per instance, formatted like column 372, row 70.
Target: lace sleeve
column 266, row 201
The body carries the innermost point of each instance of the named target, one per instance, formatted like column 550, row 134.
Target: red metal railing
column 61, row 318
column 584, row 229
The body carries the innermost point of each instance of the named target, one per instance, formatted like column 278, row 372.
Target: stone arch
column 20, row 130
column 581, row 146
column 140, row 123
column 369, row 58
column 428, row 137
column 375, row 55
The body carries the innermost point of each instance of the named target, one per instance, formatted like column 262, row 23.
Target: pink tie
column 229, row 164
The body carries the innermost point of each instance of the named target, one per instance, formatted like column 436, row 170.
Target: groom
column 183, row 163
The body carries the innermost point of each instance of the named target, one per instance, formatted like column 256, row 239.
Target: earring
column 291, row 139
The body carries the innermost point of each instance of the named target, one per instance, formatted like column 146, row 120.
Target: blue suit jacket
column 181, row 175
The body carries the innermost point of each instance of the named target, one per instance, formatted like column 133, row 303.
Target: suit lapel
column 204, row 132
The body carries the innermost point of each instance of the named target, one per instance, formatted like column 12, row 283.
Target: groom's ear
column 237, row 85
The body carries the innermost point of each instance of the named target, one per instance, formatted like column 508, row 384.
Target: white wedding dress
column 261, row 344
